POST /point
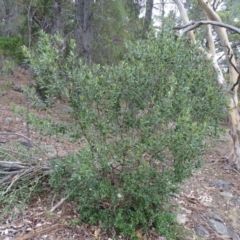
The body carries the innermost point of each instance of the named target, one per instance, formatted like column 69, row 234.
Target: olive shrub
column 144, row 120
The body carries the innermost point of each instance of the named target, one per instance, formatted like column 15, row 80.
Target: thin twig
column 58, row 204
column 27, row 121
column 235, row 171
column 27, row 115
column 20, row 135
column 235, row 68
column 9, row 187
column 22, row 154
column 53, row 200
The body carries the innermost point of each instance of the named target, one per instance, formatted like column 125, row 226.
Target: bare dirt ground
column 208, row 202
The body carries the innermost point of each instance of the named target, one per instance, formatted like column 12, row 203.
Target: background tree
column 114, row 24
column 148, row 17
column 233, row 74
column 84, row 31
column 100, row 28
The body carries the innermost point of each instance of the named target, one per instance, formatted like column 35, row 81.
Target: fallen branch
column 15, row 171
column 12, row 172
column 10, row 186
column 11, row 166
column 5, row 179
column 193, row 25
column 9, row 173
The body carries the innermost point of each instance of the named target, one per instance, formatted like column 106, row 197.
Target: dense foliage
column 112, row 23
column 143, row 110
column 144, row 122
column 10, row 52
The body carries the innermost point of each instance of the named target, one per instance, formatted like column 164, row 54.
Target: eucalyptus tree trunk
column 208, row 55
column 148, row 17
column 185, row 19
column 233, row 107
column 84, row 33
column 234, row 76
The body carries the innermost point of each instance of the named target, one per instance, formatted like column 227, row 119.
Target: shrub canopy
column 144, row 120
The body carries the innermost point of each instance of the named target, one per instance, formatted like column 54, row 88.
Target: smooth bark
column 234, row 113
column 220, row 78
column 185, row 19
column 234, row 75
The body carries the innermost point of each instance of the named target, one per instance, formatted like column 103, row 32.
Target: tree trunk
column 57, row 20
column 84, row 33
column 220, row 79
column 7, row 17
column 148, row 17
column 185, row 19
column 234, row 113
column 234, row 75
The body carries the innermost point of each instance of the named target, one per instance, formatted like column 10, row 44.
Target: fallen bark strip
column 37, row 232
column 11, row 166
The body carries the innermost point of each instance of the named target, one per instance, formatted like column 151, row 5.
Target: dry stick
column 230, row 60
column 28, row 111
column 27, row 116
column 11, row 165
column 27, row 173
column 58, row 204
column 235, row 171
column 9, row 187
column 20, row 135
column 9, row 173
column 5, row 179
column 53, row 200
column 213, row 5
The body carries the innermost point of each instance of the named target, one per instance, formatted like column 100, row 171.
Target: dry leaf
column 139, row 235
column 96, row 233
